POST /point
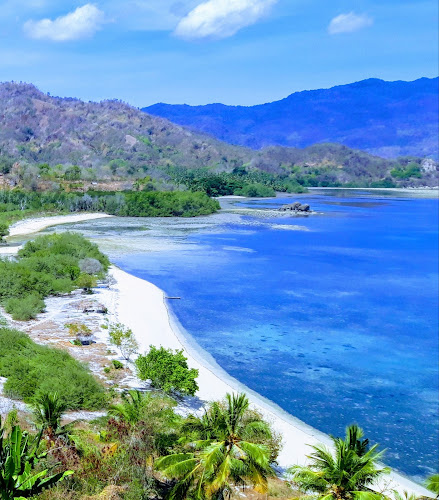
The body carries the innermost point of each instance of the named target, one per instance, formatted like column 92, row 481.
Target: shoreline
column 156, row 323
column 142, row 306
column 35, row 224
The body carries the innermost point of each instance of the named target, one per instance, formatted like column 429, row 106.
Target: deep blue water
column 336, row 324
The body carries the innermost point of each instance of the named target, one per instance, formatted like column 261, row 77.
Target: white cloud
column 81, row 23
column 221, row 18
column 347, row 23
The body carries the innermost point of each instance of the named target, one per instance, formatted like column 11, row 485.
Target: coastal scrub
column 33, row 370
column 47, row 265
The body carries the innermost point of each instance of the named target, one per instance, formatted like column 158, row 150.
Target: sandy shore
column 143, row 307
column 28, row 226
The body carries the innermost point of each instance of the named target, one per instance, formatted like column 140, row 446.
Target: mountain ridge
column 62, row 140
column 390, row 119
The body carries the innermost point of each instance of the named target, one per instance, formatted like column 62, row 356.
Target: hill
column 388, row 119
column 51, row 142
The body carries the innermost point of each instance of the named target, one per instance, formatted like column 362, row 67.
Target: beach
column 33, row 225
column 144, row 308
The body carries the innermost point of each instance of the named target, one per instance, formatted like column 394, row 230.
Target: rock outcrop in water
column 295, row 207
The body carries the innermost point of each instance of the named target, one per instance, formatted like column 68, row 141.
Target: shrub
column 123, row 338
column 90, row 266
column 117, row 365
column 78, row 330
column 167, row 370
column 86, row 282
column 4, row 231
column 26, row 308
column 255, row 190
column 32, row 370
column 48, row 265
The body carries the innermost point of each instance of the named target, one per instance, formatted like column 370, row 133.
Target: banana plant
column 18, row 458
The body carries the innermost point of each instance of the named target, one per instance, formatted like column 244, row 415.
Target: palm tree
column 432, row 484
column 343, row 474
column 48, row 410
column 227, row 454
column 130, row 409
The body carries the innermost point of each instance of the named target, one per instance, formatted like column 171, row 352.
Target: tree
column 4, row 231
column 90, row 266
column 123, row 338
column 342, row 474
column 229, row 453
column 432, row 484
column 18, row 459
column 167, row 370
column 86, row 282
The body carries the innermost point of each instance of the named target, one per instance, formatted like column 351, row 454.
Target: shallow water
column 333, row 316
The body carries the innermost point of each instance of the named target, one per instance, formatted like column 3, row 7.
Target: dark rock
column 295, row 207
column 303, row 208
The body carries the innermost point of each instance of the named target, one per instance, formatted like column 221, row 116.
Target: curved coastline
column 142, row 306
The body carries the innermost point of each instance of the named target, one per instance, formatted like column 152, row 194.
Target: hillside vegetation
column 389, row 119
column 50, row 143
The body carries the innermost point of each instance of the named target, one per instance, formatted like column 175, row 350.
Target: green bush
column 167, row 370
column 4, row 231
column 134, row 204
column 255, row 190
column 167, row 204
column 25, row 308
column 86, row 282
column 411, row 170
column 117, row 365
column 32, row 369
column 48, row 265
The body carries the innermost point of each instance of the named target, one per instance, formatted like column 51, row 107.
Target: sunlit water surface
column 333, row 316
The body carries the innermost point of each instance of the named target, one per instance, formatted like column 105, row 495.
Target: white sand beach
column 28, row 226
column 142, row 306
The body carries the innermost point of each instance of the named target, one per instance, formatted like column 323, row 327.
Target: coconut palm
column 345, row 473
column 432, row 484
column 227, row 454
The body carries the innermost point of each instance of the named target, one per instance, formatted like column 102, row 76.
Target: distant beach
column 422, row 192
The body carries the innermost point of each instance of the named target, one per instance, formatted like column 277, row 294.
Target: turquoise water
column 335, row 321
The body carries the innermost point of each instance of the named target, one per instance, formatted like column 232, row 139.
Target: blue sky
column 200, row 51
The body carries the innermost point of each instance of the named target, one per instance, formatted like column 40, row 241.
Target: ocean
column 333, row 316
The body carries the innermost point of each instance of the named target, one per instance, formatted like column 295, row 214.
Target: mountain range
column 388, row 119
column 44, row 137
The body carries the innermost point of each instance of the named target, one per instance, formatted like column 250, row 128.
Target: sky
column 202, row 51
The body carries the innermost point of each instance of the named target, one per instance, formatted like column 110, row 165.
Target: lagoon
column 332, row 316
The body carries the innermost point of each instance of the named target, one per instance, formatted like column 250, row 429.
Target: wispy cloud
column 81, row 23
column 221, row 18
column 348, row 23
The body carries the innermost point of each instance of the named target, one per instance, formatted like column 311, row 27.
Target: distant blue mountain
column 388, row 119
